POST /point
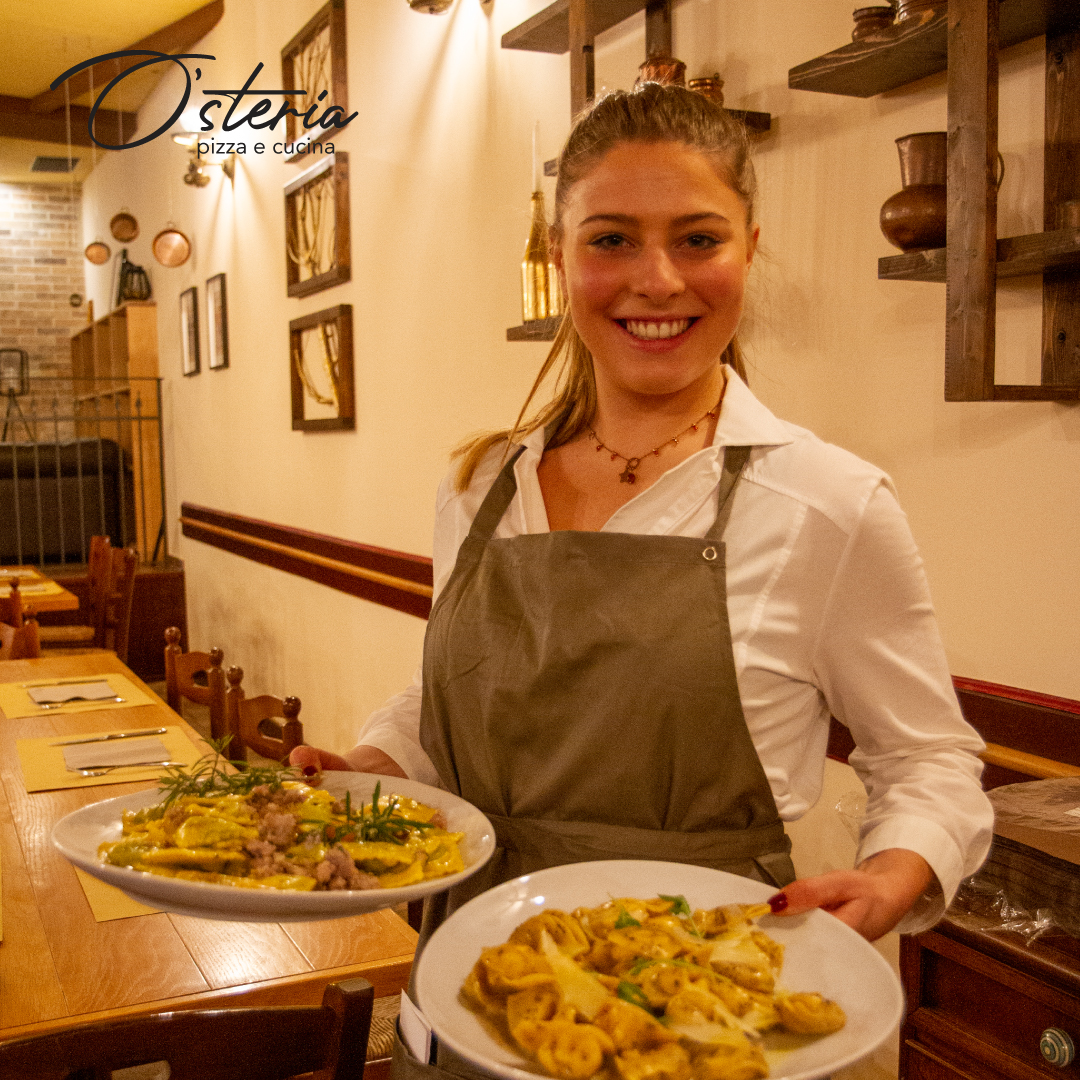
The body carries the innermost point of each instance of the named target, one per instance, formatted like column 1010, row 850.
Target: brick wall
column 40, row 267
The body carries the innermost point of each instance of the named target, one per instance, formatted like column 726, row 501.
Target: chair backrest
column 98, row 575
column 181, row 672
column 265, row 724
column 18, row 634
column 210, row 1044
column 12, row 609
column 123, row 562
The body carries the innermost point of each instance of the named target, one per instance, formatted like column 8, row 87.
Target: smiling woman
column 651, row 594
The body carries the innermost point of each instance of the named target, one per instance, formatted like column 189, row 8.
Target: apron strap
column 496, row 501
column 735, row 458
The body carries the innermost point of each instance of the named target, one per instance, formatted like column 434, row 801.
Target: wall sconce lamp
column 196, row 174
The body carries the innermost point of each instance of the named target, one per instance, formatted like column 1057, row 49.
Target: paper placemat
column 43, row 765
column 37, row 588
column 18, row 571
column 17, row 703
column 107, row 901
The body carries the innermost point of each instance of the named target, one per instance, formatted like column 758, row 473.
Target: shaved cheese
column 578, row 988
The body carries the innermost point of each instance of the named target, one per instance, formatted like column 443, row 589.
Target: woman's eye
column 608, row 242
column 702, row 242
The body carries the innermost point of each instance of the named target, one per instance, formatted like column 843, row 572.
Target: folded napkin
column 120, row 752
column 98, row 690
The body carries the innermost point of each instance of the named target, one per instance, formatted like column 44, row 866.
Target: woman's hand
column 358, row 759
column 871, row 899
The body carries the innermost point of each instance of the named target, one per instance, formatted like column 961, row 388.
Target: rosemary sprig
column 214, row 774
column 378, row 824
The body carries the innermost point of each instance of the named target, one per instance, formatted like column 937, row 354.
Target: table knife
column 115, row 735
column 64, row 682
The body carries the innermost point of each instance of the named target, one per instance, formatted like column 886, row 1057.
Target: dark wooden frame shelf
column 966, row 42
column 340, row 316
column 538, row 330
column 341, row 269
column 898, row 56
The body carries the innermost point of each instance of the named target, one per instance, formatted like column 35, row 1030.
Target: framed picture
column 313, row 64
column 321, row 370
column 317, row 252
column 189, row 331
column 217, row 323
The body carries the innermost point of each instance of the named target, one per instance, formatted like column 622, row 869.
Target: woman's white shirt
column 829, row 613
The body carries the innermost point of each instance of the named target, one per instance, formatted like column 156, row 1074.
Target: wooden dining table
column 39, row 591
column 60, row 967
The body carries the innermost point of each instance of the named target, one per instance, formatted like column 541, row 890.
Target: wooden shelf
column 898, row 57
column 539, row 330
column 1036, row 253
column 549, row 30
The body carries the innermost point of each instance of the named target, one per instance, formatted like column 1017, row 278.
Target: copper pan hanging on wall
column 97, row 252
column 171, row 247
column 124, row 227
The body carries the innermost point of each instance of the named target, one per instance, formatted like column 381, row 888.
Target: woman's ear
column 751, row 244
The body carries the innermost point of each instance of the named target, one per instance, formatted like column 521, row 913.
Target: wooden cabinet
column 979, row 1001
column 114, row 368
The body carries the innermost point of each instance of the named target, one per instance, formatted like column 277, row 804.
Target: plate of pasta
column 267, row 846
column 635, row 970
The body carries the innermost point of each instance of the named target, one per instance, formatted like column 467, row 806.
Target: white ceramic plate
column 821, row 954
column 79, row 834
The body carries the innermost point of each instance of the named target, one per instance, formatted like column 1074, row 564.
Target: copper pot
column 711, row 87
column 872, row 20
column 662, row 69
column 911, row 9
column 124, row 227
column 171, row 247
column 97, row 252
column 914, row 219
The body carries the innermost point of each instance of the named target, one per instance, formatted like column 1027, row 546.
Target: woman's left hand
column 871, row 899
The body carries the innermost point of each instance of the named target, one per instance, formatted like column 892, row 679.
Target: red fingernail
column 310, row 770
column 778, row 903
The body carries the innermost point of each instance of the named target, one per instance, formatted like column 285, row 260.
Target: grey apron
column 579, row 688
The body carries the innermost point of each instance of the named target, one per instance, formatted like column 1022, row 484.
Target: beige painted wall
column 440, row 177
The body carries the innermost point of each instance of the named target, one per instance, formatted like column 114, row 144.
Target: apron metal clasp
column 709, row 554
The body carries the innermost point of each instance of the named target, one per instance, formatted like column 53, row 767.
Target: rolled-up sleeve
column 882, row 669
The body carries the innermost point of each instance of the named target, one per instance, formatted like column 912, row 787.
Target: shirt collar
column 744, row 421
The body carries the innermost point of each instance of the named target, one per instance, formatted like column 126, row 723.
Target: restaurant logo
column 315, row 120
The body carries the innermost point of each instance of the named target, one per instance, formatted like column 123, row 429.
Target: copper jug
column 914, row 219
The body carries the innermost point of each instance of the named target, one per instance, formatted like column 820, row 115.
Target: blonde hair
column 650, row 113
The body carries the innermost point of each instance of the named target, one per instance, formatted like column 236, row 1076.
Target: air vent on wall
column 54, row 164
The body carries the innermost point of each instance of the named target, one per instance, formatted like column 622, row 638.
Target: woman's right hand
column 358, row 759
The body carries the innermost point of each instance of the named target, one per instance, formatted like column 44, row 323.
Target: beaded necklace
column 629, row 473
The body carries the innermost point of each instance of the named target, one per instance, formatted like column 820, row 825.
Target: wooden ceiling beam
column 174, row 38
column 19, row 121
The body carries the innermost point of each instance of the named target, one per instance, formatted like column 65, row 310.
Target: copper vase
column 914, row 219
column 662, row 69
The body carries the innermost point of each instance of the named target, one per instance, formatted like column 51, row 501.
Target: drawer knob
column 1057, row 1047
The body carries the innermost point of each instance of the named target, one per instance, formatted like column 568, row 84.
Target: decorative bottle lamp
column 541, row 297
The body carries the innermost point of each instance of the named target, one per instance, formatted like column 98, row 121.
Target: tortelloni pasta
column 644, row 990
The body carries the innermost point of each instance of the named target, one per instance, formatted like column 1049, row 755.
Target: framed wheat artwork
column 217, row 323
column 313, row 74
column 317, row 227
column 321, row 370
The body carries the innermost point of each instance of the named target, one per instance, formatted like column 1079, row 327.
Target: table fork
column 111, row 768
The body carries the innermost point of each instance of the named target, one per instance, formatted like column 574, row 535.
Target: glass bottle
column 541, row 297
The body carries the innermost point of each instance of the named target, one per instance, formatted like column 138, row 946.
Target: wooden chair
column 19, row 639
column 267, row 725
column 209, row 1044
column 182, row 671
column 111, row 574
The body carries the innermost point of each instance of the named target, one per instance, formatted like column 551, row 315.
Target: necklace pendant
column 627, row 476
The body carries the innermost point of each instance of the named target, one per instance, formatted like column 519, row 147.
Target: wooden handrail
column 1028, row 764
column 337, row 565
